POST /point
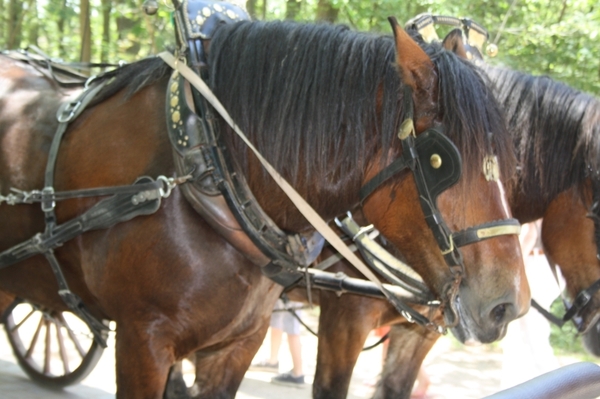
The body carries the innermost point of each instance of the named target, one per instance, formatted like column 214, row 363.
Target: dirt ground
column 456, row 372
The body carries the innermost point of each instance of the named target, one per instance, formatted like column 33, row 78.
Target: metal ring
column 169, row 184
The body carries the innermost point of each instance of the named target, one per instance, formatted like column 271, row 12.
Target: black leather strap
column 391, row 170
column 581, row 300
column 472, row 236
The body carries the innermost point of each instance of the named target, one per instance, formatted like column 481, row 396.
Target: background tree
column 552, row 37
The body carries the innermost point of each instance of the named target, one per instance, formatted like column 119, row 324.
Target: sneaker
column 264, row 365
column 289, row 380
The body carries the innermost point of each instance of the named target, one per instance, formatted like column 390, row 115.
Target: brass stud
column 436, row 161
column 231, row 14
column 217, row 8
column 174, row 101
column 174, row 87
column 206, row 12
column 175, row 116
column 491, row 50
column 200, row 20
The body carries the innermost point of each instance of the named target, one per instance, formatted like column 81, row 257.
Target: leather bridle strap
column 581, row 300
column 485, row 231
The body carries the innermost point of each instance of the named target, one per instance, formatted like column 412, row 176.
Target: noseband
column 436, row 165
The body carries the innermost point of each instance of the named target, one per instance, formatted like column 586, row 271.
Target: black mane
column 307, row 94
column 312, row 91
column 555, row 128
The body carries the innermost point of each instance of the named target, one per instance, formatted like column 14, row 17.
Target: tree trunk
column 251, row 8
column 105, row 47
column 292, row 8
column 34, row 24
column 15, row 10
column 150, row 32
column 2, row 25
column 264, row 9
column 60, row 26
column 326, row 11
column 85, row 31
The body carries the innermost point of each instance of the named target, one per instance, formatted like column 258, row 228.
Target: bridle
column 436, row 165
column 583, row 298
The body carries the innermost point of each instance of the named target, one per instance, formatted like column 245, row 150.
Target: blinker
column 432, row 145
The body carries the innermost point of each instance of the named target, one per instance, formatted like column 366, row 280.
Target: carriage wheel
column 55, row 349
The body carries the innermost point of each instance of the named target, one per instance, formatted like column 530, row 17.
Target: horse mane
column 555, row 128
column 312, row 90
column 306, row 94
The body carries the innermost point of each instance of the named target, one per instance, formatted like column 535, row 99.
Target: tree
column 292, row 9
column 326, row 11
column 85, row 27
column 106, row 11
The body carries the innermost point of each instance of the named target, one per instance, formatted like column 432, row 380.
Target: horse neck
column 548, row 121
column 329, row 196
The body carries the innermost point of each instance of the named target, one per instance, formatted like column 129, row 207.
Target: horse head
column 569, row 236
column 492, row 289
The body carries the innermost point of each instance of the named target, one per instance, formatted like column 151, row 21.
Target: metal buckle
column 47, row 205
column 71, row 108
column 582, row 299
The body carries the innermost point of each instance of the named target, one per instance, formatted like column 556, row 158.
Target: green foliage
column 555, row 38
column 566, row 341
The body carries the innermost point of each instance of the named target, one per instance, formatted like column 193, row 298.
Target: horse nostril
column 498, row 313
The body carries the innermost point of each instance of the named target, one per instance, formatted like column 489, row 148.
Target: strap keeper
column 48, row 203
column 68, row 112
column 446, row 252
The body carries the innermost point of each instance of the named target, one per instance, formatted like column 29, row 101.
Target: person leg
column 276, row 336
column 296, row 352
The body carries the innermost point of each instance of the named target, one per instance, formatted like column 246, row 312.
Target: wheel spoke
column 34, row 339
column 22, row 321
column 61, row 348
column 48, row 351
column 72, row 336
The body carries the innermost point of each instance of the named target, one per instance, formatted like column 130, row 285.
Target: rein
column 307, row 211
column 292, row 311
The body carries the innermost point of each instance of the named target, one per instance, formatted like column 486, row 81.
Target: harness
column 432, row 157
column 583, row 298
column 222, row 197
column 123, row 203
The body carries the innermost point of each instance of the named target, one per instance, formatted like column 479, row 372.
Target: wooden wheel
column 55, row 349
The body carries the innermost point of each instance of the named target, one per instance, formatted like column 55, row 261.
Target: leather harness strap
column 123, row 204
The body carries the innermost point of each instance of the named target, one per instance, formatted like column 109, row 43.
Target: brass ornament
column 435, row 161
column 491, row 170
column 406, row 129
column 491, row 50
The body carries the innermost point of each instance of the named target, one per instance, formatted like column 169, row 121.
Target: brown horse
column 556, row 132
column 323, row 104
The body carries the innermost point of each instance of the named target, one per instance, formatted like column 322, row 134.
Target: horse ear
column 454, row 42
column 417, row 69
